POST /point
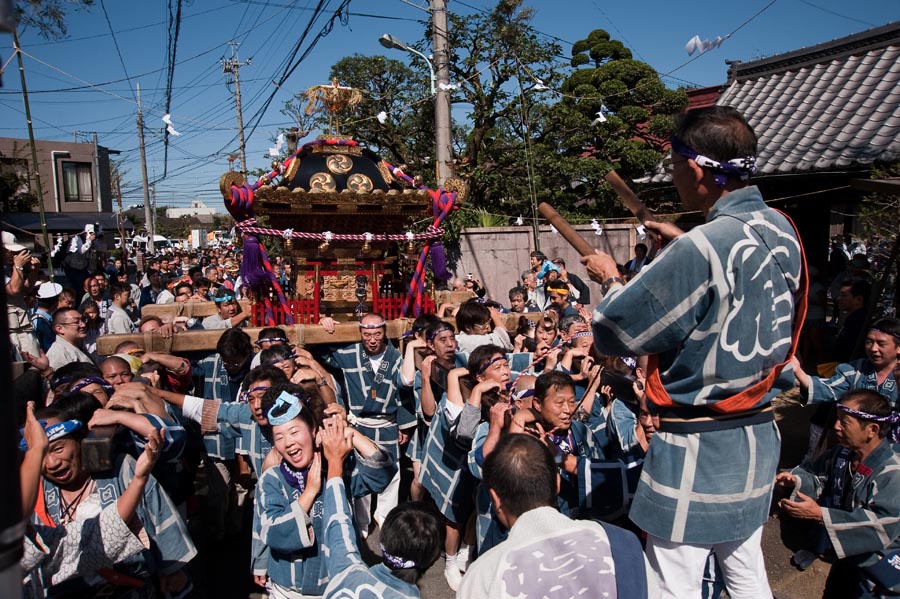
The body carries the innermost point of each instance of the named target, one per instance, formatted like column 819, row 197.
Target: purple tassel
column 253, row 270
column 439, row 262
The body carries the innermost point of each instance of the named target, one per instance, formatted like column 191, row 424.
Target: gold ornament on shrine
column 333, row 99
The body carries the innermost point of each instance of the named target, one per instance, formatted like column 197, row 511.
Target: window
column 77, row 182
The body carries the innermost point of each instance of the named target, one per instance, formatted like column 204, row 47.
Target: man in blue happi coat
column 849, row 499
column 718, row 333
column 375, row 404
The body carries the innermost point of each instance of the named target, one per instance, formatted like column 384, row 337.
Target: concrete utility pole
column 232, row 67
column 148, row 210
column 442, row 119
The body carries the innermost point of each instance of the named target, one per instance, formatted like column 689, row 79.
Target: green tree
column 489, row 54
column 48, row 16
column 614, row 112
column 14, row 193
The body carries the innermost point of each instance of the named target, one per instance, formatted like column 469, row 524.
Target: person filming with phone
column 21, row 274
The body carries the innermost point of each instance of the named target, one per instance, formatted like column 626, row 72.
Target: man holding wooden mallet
column 715, row 311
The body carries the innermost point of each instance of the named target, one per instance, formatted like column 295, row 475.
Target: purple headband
column 90, row 381
column 893, row 419
column 581, row 334
column 489, row 363
column 380, row 325
column 523, row 395
column 270, row 340
column 397, row 563
column 245, row 395
column 437, row 331
column 877, row 330
column 742, row 168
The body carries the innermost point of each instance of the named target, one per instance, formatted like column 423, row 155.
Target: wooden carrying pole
column 300, row 334
column 628, row 197
column 565, row 229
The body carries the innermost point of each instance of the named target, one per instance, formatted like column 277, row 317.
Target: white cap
column 11, row 244
column 89, row 228
column 49, row 290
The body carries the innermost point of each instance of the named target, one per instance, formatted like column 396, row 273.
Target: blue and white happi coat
column 444, row 472
column 858, row 374
column 296, row 539
column 861, row 510
column 171, row 547
column 350, row 577
column 719, row 326
column 391, row 407
column 623, row 442
column 236, row 420
column 212, row 381
column 254, row 441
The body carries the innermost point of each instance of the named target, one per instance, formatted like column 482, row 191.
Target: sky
column 106, row 68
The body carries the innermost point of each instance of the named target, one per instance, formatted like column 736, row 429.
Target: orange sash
column 749, row 397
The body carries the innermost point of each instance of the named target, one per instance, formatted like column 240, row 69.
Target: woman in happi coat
column 69, row 494
column 289, row 508
column 444, row 473
column 54, row 553
column 875, row 372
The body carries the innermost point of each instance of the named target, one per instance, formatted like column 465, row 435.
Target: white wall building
column 197, row 208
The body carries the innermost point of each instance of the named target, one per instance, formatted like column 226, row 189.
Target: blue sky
column 202, row 106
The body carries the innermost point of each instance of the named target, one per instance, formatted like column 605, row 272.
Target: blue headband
column 54, row 431
column 285, row 400
column 225, row 298
column 741, row 168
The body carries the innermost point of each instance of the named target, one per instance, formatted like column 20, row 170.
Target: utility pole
column 148, row 210
column 36, row 173
column 232, row 67
column 442, row 122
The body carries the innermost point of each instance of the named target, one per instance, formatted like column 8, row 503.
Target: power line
column 116, row 44
column 735, row 30
column 837, row 14
column 170, row 59
column 92, row 86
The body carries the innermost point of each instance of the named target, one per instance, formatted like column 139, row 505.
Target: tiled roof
column 828, row 107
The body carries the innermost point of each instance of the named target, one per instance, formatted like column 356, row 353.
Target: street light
column 389, row 41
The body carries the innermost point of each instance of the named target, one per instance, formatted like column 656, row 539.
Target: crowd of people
column 621, row 447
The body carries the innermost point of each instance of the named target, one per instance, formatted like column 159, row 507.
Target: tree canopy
column 538, row 125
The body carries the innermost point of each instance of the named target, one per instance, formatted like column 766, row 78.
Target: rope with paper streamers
column 249, row 226
column 256, row 269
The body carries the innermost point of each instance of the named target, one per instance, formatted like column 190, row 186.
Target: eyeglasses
column 81, row 320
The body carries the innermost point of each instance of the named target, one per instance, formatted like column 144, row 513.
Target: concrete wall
column 498, row 255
